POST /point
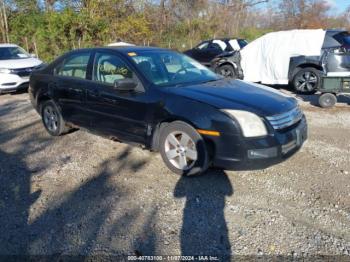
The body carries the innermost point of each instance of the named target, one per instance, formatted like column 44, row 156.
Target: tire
column 227, row 71
column 327, row 100
column 174, row 149
column 307, row 80
column 52, row 119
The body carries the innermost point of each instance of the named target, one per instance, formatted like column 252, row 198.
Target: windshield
column 7, row 53
column 164, row 68
column 343, row 38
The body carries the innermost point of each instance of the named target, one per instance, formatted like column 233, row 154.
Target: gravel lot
column 83, row 194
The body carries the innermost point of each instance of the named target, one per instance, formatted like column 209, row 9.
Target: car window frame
column 141, row 86
column 212, row 46
column 202, row 49
column 68, row 56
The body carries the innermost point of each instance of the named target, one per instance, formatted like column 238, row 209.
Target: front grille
column 23, row 72
column 286, row 119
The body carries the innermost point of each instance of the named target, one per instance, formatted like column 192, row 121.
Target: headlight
column 251, row 124
column 5, row 71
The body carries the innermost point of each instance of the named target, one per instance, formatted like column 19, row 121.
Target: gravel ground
column 83, row 194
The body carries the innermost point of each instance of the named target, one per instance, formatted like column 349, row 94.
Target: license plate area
column 299, row 136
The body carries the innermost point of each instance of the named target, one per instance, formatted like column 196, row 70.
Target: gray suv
column 305, row 72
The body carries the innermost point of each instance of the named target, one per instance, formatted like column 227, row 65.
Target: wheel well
column 302, row 66
column 42, row 99
column 227, row 63
column 156, row 135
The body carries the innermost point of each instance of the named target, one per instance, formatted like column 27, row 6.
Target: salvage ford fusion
column 167, row 102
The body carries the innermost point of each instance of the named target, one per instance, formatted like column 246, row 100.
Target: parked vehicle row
column 330, row 57
column 167, row 102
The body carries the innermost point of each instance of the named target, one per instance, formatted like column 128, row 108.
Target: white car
column 16, row 66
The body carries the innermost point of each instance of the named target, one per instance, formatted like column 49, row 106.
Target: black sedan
column 207, row 50
column 167, row 102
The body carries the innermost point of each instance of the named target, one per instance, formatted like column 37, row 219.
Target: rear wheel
column 307, row 80
column 227, row 71
column 327, row 100
column 52, row 119
column 183, row 150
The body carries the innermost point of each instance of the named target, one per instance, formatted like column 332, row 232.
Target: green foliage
column 52, row 27
column 252, row 33
column 55, row 32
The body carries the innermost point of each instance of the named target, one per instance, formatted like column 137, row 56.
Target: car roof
column 332, row 32
column 223, row 39
column 123, row 49
column 8, row 45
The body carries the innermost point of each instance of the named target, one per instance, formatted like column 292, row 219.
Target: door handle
column 78, row 90
column 52, row 85
column 109, row 100
column 94, row 93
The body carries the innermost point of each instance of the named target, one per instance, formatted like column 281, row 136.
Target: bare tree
column 3, row 22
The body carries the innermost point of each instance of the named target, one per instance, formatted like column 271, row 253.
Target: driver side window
column 109, row 68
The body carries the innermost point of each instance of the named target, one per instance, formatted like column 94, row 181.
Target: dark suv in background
column 205, row 51
column 304, row 71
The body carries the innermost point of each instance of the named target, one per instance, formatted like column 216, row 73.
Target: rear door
column 69, row 85
column 121, row 114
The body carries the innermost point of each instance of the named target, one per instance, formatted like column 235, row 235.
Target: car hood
column 239, row 95
column 20, row 63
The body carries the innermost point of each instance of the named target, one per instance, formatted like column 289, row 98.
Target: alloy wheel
column 226, row 72
column 306, row 82
column 50, row 118
column 180, row 150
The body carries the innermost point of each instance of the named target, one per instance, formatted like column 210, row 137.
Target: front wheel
column 307, row 80
column 227, row 71
column 183, row 150
column 52, row 119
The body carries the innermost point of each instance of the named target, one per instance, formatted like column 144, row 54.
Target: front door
column 121, row 114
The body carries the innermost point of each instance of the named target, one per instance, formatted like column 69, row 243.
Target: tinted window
column 7, row 53
column 165, row 68
column 219, row 45
column 74, row 66
column 343, row 38
column 109, row 68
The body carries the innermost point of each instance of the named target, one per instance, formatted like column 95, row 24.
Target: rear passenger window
column 74, row 66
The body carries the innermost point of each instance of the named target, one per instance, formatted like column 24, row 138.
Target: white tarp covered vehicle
column 299, row 57
column 266, row 59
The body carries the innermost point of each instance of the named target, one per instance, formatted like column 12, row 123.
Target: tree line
column 51, row 27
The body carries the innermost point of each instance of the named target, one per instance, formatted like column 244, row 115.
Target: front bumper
column 237, row 153
column 12, row 83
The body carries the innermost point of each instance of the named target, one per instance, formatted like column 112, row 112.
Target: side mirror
column 126, row 84
column 33, row 55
